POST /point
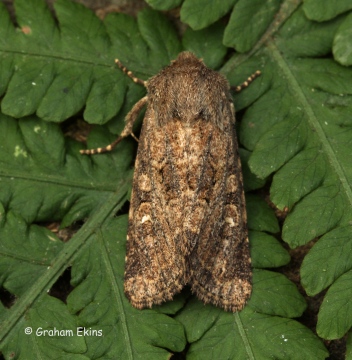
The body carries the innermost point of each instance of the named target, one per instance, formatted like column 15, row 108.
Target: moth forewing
column 187, row 219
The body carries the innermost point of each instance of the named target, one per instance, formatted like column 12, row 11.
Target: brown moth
column 187, row 219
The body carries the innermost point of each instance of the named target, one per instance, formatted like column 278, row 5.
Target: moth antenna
column 130, row 119
column 245, row 84
column 102, row 149
column 129, row 73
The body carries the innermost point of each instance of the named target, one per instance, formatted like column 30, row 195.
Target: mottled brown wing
column 220, row 263
column 187, row 222
column 155, row 264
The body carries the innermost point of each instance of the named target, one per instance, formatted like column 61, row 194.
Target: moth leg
column 245, row 84
column 130, row 73
column 130, row 119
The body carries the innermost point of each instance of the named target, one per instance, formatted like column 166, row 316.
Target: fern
column 295, row 130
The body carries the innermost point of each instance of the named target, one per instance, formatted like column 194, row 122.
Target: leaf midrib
column 110, row 186
column 60, row 57
column 118, row 297
column 244, row 336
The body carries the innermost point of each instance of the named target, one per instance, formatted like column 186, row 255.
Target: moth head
column 189, row 91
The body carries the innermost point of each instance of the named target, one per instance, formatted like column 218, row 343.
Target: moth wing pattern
column 220, row 263
column 155, row 266
column 187, row 221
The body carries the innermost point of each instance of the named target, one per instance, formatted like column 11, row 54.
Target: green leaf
column 285, row 140
column 266, row 251
column 105, row 87
column 27, row 252
column 274, row 294
column 248, row 22
column 337, row 301
column 260, row 216
column 329, row 258
column 200, row 13
column 36, row 36
column 71, row 88
column 342, row 47
column 127, row 42
column 60, row 182
column 251, row 181
column 300, row 37
column 308, row 169
column 160, row 36
column 323, row 209
column 212, row 51
column 322, row 10
column 247, row 334
column 81, row 31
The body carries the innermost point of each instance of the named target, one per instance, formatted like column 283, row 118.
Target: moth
column 187, row 218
